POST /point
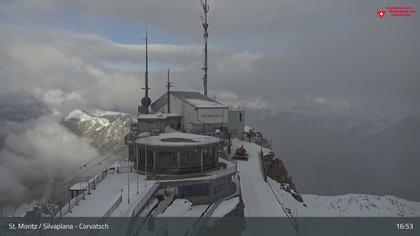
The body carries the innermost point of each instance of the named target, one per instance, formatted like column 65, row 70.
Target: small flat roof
column 177, row 139
column 196, row 99
column 200, row 103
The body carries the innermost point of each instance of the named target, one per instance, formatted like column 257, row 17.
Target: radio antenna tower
column 205, row 35
column 168, row 86
column 146, row 73
column 145, row 101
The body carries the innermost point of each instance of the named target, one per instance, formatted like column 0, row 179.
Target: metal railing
column 113, row 207
column 163, row 205
column 290, row 217
column 144, row 199
column 70, row 205
column 224, row 172
column 91, row 184
column 262, row 164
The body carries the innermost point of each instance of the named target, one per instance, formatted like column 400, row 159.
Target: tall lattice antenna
column 169, row 85
column 205, row 35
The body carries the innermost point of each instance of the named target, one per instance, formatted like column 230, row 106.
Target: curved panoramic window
column 142, row 157
column 167, row 159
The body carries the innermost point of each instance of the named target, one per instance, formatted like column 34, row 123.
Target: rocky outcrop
column 105, row 129
column 278, row 172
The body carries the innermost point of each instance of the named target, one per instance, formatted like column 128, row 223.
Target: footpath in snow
column 259, row 200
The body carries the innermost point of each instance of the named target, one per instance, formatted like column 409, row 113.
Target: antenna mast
column 146, row 74
column 205, row 35
column 169, row 85
column 146, row 101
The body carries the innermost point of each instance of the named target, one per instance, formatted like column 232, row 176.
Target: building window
column 167, row 159
column 240, row 117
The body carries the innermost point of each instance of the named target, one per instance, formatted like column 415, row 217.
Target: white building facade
column 200, row 114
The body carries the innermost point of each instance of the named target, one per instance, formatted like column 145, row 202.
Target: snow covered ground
column 225, row 207
column 108, row 192
column 348, row 205
column 183, row 208
column 259, row 200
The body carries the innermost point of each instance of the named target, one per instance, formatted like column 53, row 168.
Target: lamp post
column 128, row 181
column 145, row 164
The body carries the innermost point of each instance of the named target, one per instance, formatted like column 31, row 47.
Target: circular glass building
column 174, row 153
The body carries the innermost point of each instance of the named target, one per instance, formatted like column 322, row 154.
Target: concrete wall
column 212, row 115
column 146, row 125
column 236, row 122
column 207, row 192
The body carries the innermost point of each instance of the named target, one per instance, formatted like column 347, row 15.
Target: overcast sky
column 263, row 54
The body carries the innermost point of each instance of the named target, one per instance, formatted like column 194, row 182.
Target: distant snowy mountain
column 370, row 154
column 350, row 205
column 106, row 129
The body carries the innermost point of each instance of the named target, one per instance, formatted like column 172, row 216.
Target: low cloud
column 37, row 154
column 36, row 159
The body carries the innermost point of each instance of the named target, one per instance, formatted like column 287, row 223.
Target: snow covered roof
column 200, row 103
column 196, row 99
column 177, row 139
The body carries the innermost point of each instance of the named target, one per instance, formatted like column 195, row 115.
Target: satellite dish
column 146, row 101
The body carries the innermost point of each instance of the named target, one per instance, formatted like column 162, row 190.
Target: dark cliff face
column 278, row 172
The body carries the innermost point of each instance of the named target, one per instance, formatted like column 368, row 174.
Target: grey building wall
column 148, row 125
column 236, row 121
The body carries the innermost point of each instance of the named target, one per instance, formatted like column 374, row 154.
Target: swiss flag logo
column 381, row 13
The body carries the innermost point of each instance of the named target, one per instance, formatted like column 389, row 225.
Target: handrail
column 92, row 183
column 291, row 218
column 113, row 207
column 144, row 199
column 264, row 168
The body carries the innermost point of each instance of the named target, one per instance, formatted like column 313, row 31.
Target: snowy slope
column 259, row 200
column 350, row 205
column 226, row 207
column 106, row 129
column 183, row 208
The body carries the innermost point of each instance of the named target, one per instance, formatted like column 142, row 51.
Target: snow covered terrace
column 110, row 198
